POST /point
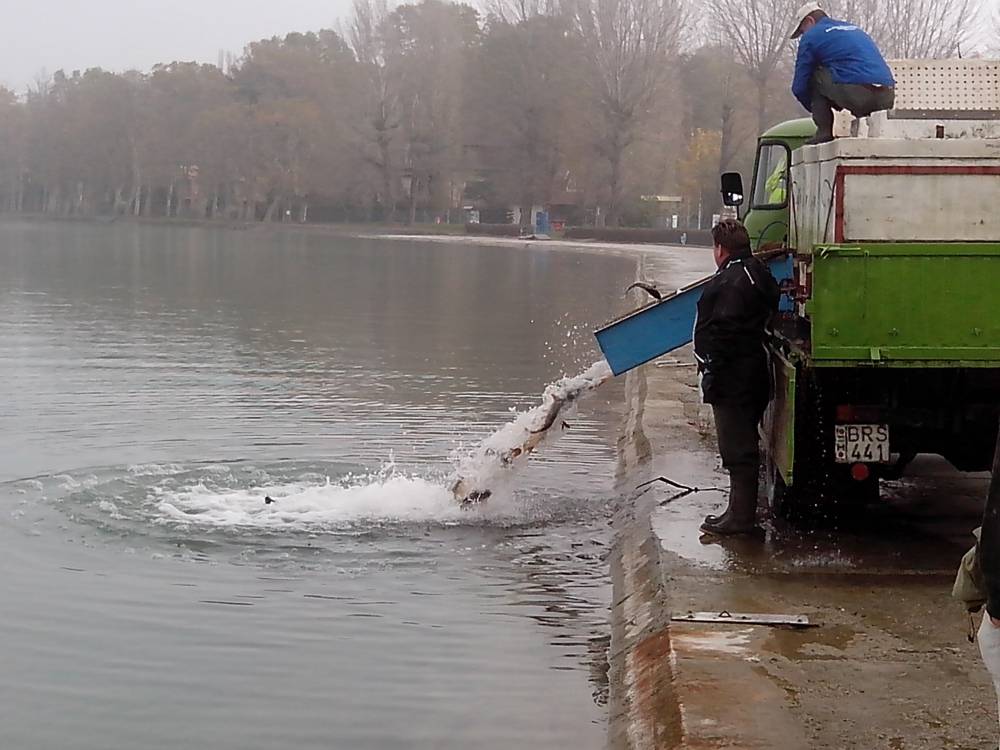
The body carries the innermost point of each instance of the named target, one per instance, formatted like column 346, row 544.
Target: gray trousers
column 739, row 443
column 860, row 100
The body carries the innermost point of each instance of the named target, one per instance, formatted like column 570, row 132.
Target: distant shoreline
column 352, row 229
column 448, row 233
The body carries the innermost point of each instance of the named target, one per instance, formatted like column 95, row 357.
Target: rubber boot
column 822, row 113
column 712, row 520
column 741, row 515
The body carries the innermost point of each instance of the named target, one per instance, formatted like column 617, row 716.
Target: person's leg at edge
column 989, row 648
column 736, row 427
column 822, row 106
column 822, row 114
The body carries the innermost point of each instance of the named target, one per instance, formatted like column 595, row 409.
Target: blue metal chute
column 662, row 326
column 651, row 331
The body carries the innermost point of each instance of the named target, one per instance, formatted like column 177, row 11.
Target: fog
column 418, row 113
column 122, row 34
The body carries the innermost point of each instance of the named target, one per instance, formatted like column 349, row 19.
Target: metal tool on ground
column 685, row 490
column 742, row 618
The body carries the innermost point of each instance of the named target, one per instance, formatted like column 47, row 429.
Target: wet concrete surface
column 888, row 667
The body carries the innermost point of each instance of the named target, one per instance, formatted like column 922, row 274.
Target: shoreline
column 374, row 231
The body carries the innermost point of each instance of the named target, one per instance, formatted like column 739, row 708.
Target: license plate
column 861, row 443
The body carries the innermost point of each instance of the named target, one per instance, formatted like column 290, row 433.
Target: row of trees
column 418, row 110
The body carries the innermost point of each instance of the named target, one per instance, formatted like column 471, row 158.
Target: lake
column 161, row 381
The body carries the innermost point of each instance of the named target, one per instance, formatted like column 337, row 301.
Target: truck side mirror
column 732, row 189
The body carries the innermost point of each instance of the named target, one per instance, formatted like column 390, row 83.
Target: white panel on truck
column 894, row 190
column 921, row 207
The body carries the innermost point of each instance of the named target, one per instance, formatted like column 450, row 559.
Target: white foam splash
column 490, row 463
column 386, row 497
column 393, row 498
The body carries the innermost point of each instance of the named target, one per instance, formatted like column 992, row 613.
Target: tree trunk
column 384, row 141
column 170, row 200
column 271, row 209
column 726, row 137
column 414, row 187
column 614, row 186
column 761, row 104
column 526, row 205
column 388, row 198
column 147, row 205
column 304, row 216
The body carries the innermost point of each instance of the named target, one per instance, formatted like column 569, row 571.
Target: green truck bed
column 905, row 305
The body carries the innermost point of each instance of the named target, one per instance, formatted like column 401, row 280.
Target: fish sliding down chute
column 511, row 445
column 655, row 329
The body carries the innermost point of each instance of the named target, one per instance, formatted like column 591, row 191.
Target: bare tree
column 366, row 36
column 913, row 29
column 518, row 105
column 519, row 11
column 870, row 15
column 431, row 46
column 631, row 46
column 757, row 31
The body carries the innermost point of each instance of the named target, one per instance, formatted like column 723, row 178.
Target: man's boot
column 712, row 520
column 740, row 517
column 822, row 113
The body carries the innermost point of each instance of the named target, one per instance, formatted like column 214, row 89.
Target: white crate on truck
column 941, row 98
column 895, row 190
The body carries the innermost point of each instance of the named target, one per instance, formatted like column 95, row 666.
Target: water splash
column 486, row 468
column 389, row 495
column 303, row 505
column 318, row 497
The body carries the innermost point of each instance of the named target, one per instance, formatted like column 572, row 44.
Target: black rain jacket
column 733, row 311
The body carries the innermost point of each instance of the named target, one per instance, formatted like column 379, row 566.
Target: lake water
column 160, row 381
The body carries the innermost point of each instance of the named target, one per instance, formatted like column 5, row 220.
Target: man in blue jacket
column 838, row 67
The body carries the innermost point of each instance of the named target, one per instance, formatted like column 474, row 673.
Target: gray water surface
column 160, row 381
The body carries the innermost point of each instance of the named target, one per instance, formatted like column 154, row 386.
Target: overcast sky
column 120, row 34
column 46, row 35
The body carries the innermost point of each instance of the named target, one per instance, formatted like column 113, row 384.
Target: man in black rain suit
column 729, row 334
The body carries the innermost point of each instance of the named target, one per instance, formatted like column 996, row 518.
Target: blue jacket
column 847, row 51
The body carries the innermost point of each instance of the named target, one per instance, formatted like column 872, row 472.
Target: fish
column 527, row 432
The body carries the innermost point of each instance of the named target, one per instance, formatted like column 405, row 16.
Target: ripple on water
column 211, row 509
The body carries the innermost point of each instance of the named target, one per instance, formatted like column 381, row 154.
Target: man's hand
column 995, row 622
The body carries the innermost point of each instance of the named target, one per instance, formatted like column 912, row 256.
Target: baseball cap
column 800, row 16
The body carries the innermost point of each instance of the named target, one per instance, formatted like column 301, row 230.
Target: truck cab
column 767, row 217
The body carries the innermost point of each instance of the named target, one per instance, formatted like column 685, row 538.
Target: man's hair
column 817, row 14
column 732, row 236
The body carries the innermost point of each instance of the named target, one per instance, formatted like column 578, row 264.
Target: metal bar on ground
column 795, row 621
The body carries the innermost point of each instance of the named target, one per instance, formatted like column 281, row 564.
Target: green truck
column 888, row 344
column 887, row 246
